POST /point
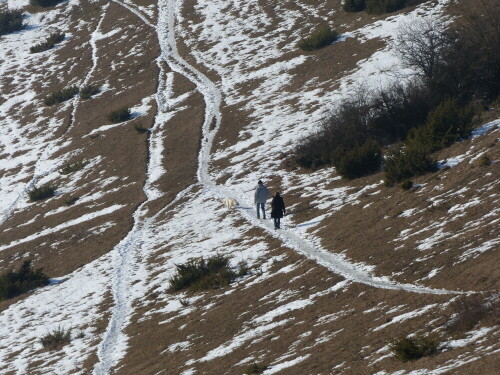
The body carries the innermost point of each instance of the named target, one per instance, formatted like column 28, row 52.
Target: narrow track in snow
column 166, row 36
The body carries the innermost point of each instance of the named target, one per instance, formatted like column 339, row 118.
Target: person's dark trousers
column 276, row 223
column 259, row 207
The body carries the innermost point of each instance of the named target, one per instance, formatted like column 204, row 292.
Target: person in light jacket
column 277, row 209
column 261, row 195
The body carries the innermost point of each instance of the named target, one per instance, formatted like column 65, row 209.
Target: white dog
column 230, row 203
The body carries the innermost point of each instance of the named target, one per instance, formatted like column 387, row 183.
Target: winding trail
column 212, row 96
column 125, row 260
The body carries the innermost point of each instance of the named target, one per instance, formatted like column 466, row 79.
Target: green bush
column 384, row 6
column 406, row 163
column 410, row 349
column 319, row 39
column 14, row 283
column 140, row 129
column 203, row 274
column 45, row 3
column 50, row 42
column 120, row 115
column 56, row 339
column 359, row 161
column 61, row 95
column 43, row 192
column 73, row 167
column 256, row 368
column 71, row 201
column 86, row 92
column 354, row 5
column 448, row 123
column 484, row 160
column 10, row 21
column 407, row 184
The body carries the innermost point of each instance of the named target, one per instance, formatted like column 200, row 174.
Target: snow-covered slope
column 225, row 94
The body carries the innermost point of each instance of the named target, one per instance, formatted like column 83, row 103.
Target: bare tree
column 421, row 45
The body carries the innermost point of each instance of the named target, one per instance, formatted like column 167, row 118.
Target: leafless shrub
column 468, row 311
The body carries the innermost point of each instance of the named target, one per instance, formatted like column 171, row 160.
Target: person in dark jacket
column 261, row 194
column 277, row 209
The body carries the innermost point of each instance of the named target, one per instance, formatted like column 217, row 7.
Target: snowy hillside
column 219, row 95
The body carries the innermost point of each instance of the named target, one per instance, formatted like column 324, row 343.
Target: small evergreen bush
column 61, row 95
column 86, row 92
column 140, row 129
column 243, row 269
column 410, row 349
column 319, row 39
column 10, row 21
column 203, row 274
column 404, row 164
column 354, row 5
column 45, row 3
column 407, row 184
column 484, row 160
column 15, row 283
column 56, row 339
column 50, row 42
column 448, row 123
column 360, row 161
column 384, row 6
column 256, row 368
column 73, row 167
column 71, row 201
column 43, row 192
column 119, row 115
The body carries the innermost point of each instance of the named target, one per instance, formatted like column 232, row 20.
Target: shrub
column 14, row 283
column 383, row 6
column 470, row 310
column 140, row 129
column 398, row 109
column 354, row 5
column 56, row 339
column 120, row 115
column 448, row 123
column 10, row 21
column 407, row 184
column 484, row 160
column 45, row 3
column 73, row 167
column 461, row 61
column 243, row 269
column 410, row 349
column 50, row 42
column 344, row 129
column 43, row 192
column 61, row 95
column 71, row 201
column 203, row 274
column 404, row 164
column 319, row 39
column 256, row 368
column 86, row 92
column 359, row 161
